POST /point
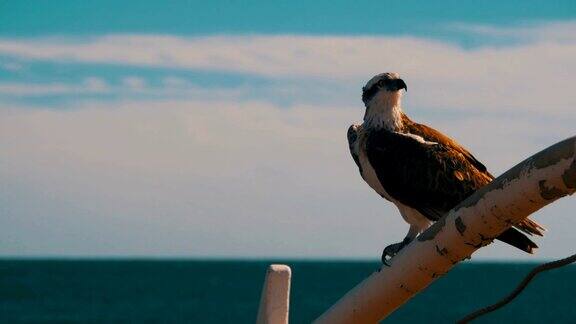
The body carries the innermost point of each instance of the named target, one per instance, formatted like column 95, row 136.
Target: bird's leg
column 391, row 250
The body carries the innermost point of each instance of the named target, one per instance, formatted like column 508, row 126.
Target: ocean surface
column 139, row 291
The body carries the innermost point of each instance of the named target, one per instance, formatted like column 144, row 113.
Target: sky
column 217, row 129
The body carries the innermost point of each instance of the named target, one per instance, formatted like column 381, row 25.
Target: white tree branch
column 474, row 223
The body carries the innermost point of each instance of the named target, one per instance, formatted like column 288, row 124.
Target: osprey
column 422, row 171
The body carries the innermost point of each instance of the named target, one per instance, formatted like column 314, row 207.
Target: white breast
column 369, row 175
column 410, row 215
column 413, row 217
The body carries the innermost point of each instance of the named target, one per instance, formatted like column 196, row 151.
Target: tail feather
column 513, row 237
column 529, row 226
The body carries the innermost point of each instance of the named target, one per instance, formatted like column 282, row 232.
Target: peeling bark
column 460, row 225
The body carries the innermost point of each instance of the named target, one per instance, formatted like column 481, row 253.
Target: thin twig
column 518, row 290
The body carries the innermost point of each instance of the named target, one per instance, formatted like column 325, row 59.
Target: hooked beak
column 400, row 84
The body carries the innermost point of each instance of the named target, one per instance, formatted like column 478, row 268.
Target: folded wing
column 430, row 177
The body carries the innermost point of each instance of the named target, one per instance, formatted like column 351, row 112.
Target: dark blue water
column 229, row 291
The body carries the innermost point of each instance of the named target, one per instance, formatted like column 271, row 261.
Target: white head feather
column 383, row 103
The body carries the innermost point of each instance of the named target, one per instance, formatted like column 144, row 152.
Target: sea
column 201, row 291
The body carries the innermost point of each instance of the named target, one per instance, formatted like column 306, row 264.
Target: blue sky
column 397, row 18
column 216, row 129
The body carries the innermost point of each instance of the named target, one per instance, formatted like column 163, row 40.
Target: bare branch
column 474, row 223
column 519, row 288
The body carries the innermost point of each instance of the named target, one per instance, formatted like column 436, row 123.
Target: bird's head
column 382, row 96
column 384, row 89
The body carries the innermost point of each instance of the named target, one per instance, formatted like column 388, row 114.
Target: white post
column 275, row 299
column 474, row 223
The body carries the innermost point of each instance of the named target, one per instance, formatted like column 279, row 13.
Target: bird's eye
column 381, row 83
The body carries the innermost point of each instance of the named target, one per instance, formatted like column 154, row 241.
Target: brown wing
column 353, row 134
column 429, row 134
column 432, row 135
column 431, row 178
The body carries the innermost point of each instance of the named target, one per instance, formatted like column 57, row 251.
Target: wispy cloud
column 145, row 176
column 525, row 76
column 309, row 56
column 150, row 176
column 555, row 32
column 129, row 86
column 11, row 66
column 90, row 85
column 134, row 83
column 161, row 170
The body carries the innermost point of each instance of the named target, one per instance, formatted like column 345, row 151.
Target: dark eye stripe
column 367, row 94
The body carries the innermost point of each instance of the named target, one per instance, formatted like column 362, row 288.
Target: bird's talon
column 386, row 257
column 390, row 251
column 385, row 262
